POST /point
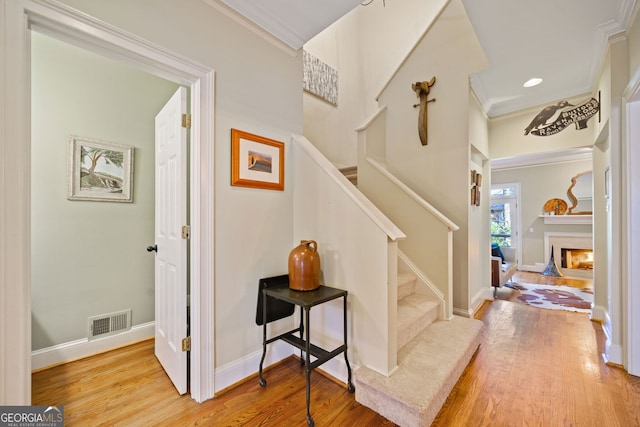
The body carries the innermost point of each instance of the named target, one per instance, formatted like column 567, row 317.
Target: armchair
column 501, row 272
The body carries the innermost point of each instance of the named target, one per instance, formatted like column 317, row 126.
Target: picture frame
column 99, row 171
column 256, row 161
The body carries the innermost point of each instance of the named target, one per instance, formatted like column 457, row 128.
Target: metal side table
column 306, row 300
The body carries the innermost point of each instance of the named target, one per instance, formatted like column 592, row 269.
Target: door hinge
column 186, row 232
column 186, row 344
column 186, row 121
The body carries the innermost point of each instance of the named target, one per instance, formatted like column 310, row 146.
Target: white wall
column 258, row 90
column 355, row 252
column 366, row 46
column 439, row 171
column 611, row 232
column 89, row 258
column 479, row 216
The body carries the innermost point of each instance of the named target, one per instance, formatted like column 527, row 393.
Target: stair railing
column 429, row 241
column 358, row 251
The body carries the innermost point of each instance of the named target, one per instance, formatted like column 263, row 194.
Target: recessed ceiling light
column 532, row 82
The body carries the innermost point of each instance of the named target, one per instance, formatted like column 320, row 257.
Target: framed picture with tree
column 100, row 171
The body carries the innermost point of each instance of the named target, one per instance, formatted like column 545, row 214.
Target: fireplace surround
column 575, row 248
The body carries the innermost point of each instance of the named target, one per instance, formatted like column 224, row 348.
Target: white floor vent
column 109, row 324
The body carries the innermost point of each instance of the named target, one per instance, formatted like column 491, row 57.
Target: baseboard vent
column 109, row 324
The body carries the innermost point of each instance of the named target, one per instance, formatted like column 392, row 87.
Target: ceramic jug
column 304, row 266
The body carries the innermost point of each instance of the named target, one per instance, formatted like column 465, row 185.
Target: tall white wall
column 611, row 231
column 89, row 258
column 479, row 216
column 366, row 46
column 258, row 90
column 439, row 171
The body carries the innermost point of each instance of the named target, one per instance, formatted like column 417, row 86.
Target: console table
column 306, row 300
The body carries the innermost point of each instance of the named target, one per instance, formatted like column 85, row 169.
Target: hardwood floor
column 128, row 387
column 535, row 367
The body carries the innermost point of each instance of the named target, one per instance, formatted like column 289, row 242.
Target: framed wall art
column 256, row 161
column 319, row 79
column 100, row 171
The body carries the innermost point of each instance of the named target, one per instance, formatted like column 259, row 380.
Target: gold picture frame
column 256, row 161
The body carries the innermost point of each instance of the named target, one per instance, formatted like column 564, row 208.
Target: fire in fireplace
column 577, row 259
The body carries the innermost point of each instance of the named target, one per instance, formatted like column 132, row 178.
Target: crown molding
column 539, row 159
column 251, row 26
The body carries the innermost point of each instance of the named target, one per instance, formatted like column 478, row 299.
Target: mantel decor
column 555, row 207
column 573, row 197
column 256, row 161
column 99, row 171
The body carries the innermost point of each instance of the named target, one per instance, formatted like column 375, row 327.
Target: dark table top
column 305, row 299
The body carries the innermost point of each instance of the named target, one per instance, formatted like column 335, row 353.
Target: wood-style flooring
column 534, row 367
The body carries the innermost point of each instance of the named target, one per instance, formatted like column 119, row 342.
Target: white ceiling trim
column 294, row 22
column 250, row 25
column 538, row 159
column 264, row 16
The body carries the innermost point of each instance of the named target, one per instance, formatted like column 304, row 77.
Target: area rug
column 554, row 297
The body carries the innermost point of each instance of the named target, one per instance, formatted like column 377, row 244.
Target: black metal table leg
column 301, row 333
column 307, row 366
column 350, row 386
column 263, row 382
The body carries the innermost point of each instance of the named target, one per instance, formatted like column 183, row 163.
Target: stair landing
column 428, row 368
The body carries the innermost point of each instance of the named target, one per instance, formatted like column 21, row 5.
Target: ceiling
column 561, row 41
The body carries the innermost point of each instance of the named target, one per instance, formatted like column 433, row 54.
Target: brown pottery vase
column 304, row 266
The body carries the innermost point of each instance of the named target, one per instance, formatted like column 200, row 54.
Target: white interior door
column 171, row 247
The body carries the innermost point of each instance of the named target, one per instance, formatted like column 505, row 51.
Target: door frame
column 631, row 226
column 518, row 215
column 57, row 20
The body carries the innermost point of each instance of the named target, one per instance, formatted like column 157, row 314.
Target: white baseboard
column 538, row 268
column 78, row 349
column 615, row 355
column 612, row 352
column 462, row 312
column 479, row 298
column 233, row 372
column 600, row 314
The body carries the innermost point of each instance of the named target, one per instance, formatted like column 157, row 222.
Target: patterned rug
column 554, row 297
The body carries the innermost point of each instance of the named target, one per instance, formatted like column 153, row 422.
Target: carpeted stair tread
column 428, row 368
column 415, row 313
column 406, row 284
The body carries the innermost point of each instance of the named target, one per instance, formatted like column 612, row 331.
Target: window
column 504, row 215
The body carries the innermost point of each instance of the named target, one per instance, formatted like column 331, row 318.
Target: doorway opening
column 505, row 216
column 77, row 28
column 93, row 260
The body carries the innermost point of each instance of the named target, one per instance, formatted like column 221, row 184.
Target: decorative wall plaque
column 569, row 114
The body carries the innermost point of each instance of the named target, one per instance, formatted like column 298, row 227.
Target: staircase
column 431, row 357
column 351, row 173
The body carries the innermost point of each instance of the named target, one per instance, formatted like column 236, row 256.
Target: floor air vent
column 109, row 324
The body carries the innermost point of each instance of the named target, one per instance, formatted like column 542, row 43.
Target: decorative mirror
column 580, row 194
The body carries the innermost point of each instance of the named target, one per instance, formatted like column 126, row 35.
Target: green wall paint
column 89, row 258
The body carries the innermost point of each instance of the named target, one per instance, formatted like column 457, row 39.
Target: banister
column 375, row 214
column 446, row 221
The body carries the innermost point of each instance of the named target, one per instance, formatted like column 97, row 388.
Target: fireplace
column 577, row 259
column 573, row 252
